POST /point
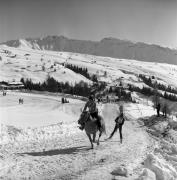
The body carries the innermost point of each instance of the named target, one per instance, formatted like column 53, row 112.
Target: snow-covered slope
column 27, row 45
column 35, row 65
column 21, row 62
column 40, row 138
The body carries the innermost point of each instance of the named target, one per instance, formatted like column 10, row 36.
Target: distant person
column 164, row 110
column 66, row 101
column 91, row 105
column 107, row 98
column 62, row 100
column 119, row 123
column 99, row 100
column 158, row 110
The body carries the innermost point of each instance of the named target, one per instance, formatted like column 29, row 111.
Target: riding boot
column 82, row 127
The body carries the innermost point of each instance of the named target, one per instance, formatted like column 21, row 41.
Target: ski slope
column 37, row 65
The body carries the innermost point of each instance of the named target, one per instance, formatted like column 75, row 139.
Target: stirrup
column 81, row 127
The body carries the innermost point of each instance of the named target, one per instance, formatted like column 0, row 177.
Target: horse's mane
column 83, row 117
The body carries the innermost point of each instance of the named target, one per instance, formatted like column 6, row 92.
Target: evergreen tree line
column 80, row 89
column 150, row 92
column 159, row 86
column 51, row 85
column 82, row 71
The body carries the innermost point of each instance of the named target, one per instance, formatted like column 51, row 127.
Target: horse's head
column 83, row 117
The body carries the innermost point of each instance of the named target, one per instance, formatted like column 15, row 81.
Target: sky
column 149, row 21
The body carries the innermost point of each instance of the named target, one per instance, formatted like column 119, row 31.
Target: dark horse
column 91, row 127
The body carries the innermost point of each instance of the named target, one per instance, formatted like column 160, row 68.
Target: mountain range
column 110, row 47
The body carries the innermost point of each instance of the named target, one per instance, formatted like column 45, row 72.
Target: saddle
column 87, row 118
column 92, row 119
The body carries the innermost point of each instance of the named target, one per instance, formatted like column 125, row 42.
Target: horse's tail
column 103, row 126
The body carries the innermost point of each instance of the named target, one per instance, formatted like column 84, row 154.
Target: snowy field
column 37, row 110
column 40, row 140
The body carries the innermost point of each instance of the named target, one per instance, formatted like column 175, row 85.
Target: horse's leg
column 98, row 142
column 120, row 132
column 94, row 136
column 89, row 136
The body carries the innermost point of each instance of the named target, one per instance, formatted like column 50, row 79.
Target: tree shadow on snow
column 71, row 150
column 112, row 141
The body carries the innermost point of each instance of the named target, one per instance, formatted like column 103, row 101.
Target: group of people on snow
column 119, row 121
column 64, row 100
column 20, row 101
column 164, row 109
column 4, row 93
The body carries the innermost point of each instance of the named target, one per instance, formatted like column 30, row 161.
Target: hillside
column 37, row 65
column 108, row 47
column 40, row 139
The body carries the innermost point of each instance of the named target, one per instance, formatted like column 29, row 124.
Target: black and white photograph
column 88, row 89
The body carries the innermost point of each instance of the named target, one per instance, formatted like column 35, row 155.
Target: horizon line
column 70, row 38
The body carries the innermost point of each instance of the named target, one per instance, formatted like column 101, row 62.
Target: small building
column 11, row 86
column 3, row 85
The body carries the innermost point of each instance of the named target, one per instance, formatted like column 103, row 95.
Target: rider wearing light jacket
column 91, row 105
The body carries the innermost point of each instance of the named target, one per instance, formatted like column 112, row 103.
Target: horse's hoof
column 98, row 143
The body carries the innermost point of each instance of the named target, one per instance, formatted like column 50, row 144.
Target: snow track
column 62, row 151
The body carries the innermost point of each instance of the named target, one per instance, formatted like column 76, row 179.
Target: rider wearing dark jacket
column 91, row 105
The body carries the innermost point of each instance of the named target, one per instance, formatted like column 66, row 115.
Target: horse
column 91, row 127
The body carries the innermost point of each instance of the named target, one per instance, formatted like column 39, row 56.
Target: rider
column 91, row 105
